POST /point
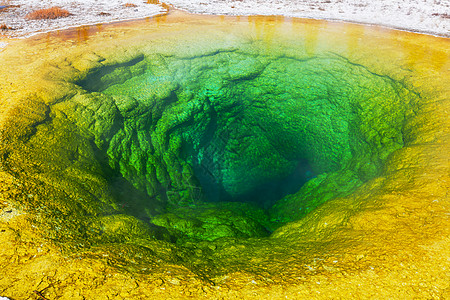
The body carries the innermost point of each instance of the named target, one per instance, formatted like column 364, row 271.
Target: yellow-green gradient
column 225, row 157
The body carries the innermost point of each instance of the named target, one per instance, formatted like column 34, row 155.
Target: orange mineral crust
column 209, row 157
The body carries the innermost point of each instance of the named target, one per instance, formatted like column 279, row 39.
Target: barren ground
column 426, row 16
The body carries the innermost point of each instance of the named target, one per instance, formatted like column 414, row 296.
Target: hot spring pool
column 225, row 157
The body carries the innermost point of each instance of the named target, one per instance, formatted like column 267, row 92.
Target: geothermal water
column 237, row 157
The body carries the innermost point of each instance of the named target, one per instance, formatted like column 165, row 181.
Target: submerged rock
column 211, row 221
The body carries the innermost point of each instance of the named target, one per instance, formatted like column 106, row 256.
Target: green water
column 277, row 135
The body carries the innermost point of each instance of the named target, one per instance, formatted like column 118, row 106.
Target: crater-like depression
column 282, row 134
column 253, row 146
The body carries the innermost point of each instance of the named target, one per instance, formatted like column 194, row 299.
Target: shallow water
column 179, row 144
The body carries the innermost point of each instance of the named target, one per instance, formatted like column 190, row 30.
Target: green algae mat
column 219, row 157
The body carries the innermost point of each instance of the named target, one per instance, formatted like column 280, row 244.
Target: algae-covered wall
column 249, row 155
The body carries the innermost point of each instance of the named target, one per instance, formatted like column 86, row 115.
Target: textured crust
column 388, row 239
